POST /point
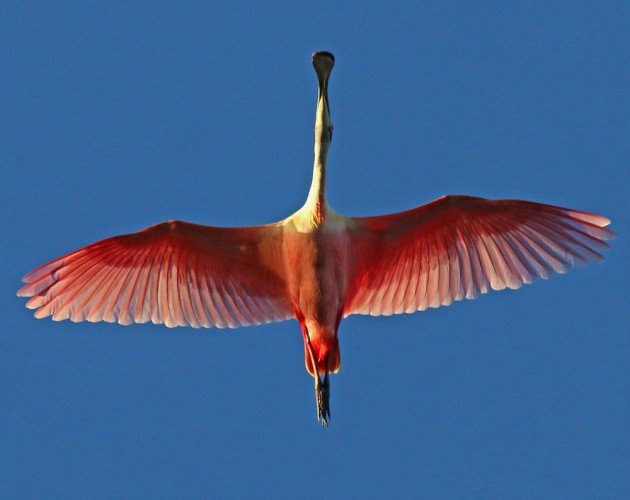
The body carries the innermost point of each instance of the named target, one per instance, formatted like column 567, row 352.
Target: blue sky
column 119, row 116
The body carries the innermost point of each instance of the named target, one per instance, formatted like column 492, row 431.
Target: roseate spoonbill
column 317, row 265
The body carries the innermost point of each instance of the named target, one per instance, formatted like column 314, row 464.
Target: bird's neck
column 316, row 200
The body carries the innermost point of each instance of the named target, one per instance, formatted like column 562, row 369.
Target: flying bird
column 317, row 265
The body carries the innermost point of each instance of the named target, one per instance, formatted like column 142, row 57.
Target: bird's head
column 323, row 63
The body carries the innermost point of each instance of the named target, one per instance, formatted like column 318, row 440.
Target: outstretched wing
column 457, row 247
column 174, row 273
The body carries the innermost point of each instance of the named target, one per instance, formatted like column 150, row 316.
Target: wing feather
column 174, row 273
column 459, row 247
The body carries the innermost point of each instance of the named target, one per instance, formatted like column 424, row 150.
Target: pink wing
column 457, row 247
column 174, row 273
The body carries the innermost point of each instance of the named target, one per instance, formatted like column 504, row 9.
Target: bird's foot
column 322, row 399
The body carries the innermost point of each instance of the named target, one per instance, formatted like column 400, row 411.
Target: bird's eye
column 330, row 131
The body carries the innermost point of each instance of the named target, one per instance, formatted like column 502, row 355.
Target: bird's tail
column 323, row 351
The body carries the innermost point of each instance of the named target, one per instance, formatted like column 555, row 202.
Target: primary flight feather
column 317, row 265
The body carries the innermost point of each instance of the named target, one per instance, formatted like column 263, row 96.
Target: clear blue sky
column 116, row 117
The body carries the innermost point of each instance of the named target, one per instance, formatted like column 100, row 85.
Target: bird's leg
column 322, row 388
column 323, row 399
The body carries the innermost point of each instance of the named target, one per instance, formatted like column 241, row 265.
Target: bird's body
column 317, row 265
column 318, row 260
